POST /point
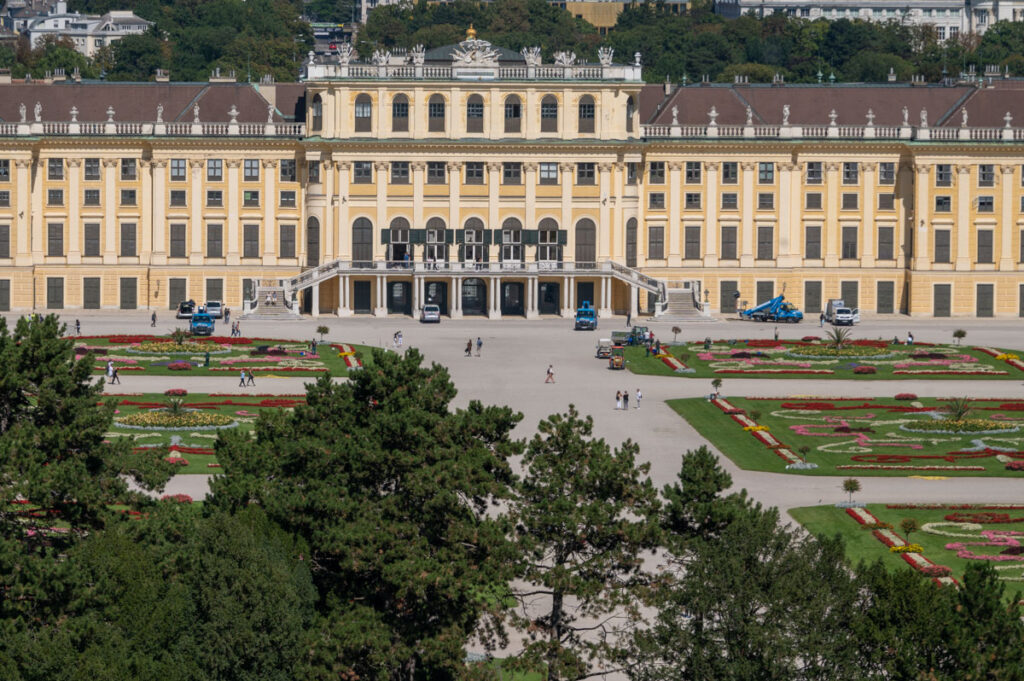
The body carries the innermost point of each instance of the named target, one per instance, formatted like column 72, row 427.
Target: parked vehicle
column 215, row 309
column 638, row 335
column 586, row 317
column 774, row 310
column 185, row 310
column 201, row 324
column 618, row 358
column 604, row 348
column 430, row 313
column 844, row 316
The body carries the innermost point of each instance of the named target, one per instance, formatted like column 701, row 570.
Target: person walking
column 479, row 345
column 618, row 399
column 551, row 374
column 400, row 339
column 274, row 298
column 250, row 378
column 241, row 378
column 629, row 318
column 821, row 320
column 625, row 400
column 78, row 327
column 110, row 370
column 639, row 396
column 227, row 315
column 115, row 379
column 776, row 334
column 152, row 319
column 469, row 348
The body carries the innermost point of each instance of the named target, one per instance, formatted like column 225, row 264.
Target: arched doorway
column 631, row 242
column 399, row 297
column 512, row 299
column 474, row 297
column 362, row 242
column 548, row 301
column 312, row 242
column 436, row 293
column 586, row 243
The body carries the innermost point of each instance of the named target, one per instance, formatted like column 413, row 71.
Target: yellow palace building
column 491, row 183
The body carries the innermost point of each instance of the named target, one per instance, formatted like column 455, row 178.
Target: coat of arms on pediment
column 475, row 52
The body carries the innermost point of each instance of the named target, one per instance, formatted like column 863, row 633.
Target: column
column 569, row 251
column 454, row 215
column 566, row 310
column 196, row 242
column 618, row 233
column 315, row 288
column 74, row 198
column 37, row 227
column 786, row 257
column 344, row 251
column 417, row 282
column 328, row 249
column 530, row 178
column 159, row 212
column 419, row 176
column 145, row 227
column 831, row 228
column 868, row 194
column 110, row 199
column 455, row 298
column 922, row 214
column 531, row 298
column 746, row 237
column 493, row 186
column 344, row 306
column 963, row 218
column 674, row 225
column 381, row 168
column 711, row 204
column 604, row 230
column 25, row 209
column 606, row 298
column 269, row 203
column 380, row 303
column 634, row 302
column 1006, row 223
column 494, row 311
column 572, row 297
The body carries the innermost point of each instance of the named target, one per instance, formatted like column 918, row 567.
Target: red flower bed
column 865, row 370
column 864, row 343
column 987, row 351
column 982, row 518
column 936, row 571
column 951, row 373
column 180, row 498
column 961, row 507
column 762, row 343
column 177, row 460
column 810, row 339
column 264, row 370
column 176, row 392
column 138, row 338
column 774, row 372
column 302, row 396
column 1011, row 406
column 1015, row 466
column 180, row 366
column 828, row 406
column 905, row 396
column 225, row 340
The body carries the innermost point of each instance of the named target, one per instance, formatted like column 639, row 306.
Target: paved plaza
column 516, row 354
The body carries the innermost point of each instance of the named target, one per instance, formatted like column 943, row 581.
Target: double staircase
column 284, row 309
column 684, row 305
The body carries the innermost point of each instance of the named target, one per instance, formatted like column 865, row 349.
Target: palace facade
column 491, row 183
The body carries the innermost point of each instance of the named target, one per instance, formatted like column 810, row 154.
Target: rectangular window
column 549, row 173
column 885, row 300
column 943, row 175
column 177, row 292
column 766, row 173
column 942, row 246
column 251, row 170
column 436, row 173
column 128, row 247
column 178, row 197
column 849, row 292
column 92, row 169
column 288, row 199
column 362, row 172
column 728, row 242
column 5, row 199
column 656, row 201
column 548, row 115
column 92, row 240
column 585, row 173
column 986, row 204
column 214, row 198
column 812, row 242
column 765, row 201
column 693, row 174
column 691, row 201
column 475, row 172
column 399, row 172
column 812, row 201
column 5, row 242
column 178, row 170
column 288, row 172
column 55, row 239
column 214, row 170
column 851, row 173
column 129, row 169
column 54, row 197
column 5, row 295
column 511, row 173
column 313, row 171
column 849, row 243
column 250, row 241
column 813, row 172
column 287, row 249
column 765, row 242
column 812, row 296
column 474, row 116
column 55, row 171
column 127, row 197
column 656, row 242
column 656, row 172
column 730, row 172
column 55, row 293
column 886, row 173
column 886, row 244
column 850, row 201
column 177, row 240
column 632, row 172
column 943, row 204
column 92, row 197
column 129, row 291
column 250, row 199
column 729, row 201
column 215, row 289
column 985, row 250
column 5, row 170
column 214, row 241
column 886, row 202
column 986, row 175
column 691, row 242
column 586, row 116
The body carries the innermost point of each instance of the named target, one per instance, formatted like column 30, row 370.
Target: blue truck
column 586, row 317
column 774, row 310
column 201, row 324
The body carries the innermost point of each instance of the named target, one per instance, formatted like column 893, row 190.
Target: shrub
column 865, row 370
column 810, row 339
column 176, row 392
column 905, row 396
column 180, row 366
column 180, row 498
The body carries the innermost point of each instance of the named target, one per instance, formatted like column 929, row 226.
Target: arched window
column 364, row 113
column 400, row 114
column 513, row 114
column 631, row 242
column 549, row 114
column 473, row 250
column 548, row 249
column 318, row 114
column 475, row 114
column 312, row 242
column 586, row 242
column 586, row 114
column 436, row 249
column 511, row 240
column 630, row 110
column 362, row 242
column 435, row 113
column 398, row 240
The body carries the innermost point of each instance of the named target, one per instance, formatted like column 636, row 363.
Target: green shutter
column 462, row 252
column 449, row 236
column 563, row 237
column 460, row 236
column 530, row 237
column 497, row 236
column 385, row 236
column 487, row 237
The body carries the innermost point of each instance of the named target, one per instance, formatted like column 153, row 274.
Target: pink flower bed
column 889, row 467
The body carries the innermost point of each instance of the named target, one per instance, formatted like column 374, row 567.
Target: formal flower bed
column 166, row 419
column 172, row 348
column 960, row 426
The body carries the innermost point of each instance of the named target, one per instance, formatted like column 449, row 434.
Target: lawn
column 950, row 535
column 864, row 437
column 219, row 355
column 813, row 358
column 192, row 448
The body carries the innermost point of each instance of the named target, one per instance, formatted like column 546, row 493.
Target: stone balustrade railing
column 859, row 132
column 582, row 72
column 129, row 129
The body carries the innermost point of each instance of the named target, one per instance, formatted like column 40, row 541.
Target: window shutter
column 530, row 237
column 487, row 237
column 449, row 236
column 385, row 236
column 462, row 251
column 497, row 236
column 460, row 236
column 563, row 237
column 417, row 236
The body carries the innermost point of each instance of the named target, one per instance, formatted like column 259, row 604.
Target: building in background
column 87, row 32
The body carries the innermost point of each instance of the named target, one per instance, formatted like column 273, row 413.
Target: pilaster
column 870, row 194
column 196, row 245
column 831, row 235
column 22, row 249
column 269, row 203
column 604, row 231
column 158, row 170
column 922, row 217
column 963, row 218
column 342, row 170
column 74, row 202
column 674, row 225
column 565, row 178
column 710, row 218
column 381, row 176
column 746, row 237
column 110, row 201
column 1006, row 222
